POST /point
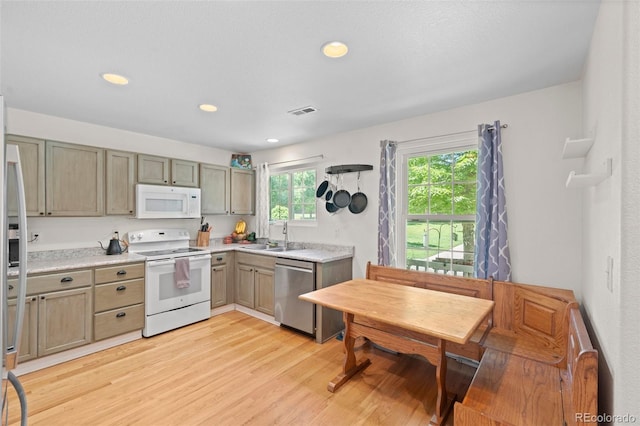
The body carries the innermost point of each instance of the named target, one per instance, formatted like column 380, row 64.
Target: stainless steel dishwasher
column 293, row 278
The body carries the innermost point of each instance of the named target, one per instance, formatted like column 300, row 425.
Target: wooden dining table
column 404, row 319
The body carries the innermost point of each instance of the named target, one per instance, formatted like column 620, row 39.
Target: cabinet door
column 121, row 182
column 64, row 320
column 184, row 173
column 242, row 191
column 245, row 285
column 75, row 180
column 153, row 170
column 218, row 286
column 214, row 188
column 32, row 162
column 264, row 290
column 29, row 340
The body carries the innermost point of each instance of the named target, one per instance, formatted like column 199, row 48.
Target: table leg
column 349, row 367
column 444, row 401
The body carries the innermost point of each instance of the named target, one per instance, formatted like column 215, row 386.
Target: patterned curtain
column 387, row 205
column 262, row 201
column 492, row 246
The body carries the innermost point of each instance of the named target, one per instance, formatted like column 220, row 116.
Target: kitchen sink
column 263, row 247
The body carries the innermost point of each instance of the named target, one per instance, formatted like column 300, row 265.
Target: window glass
column 292, row 195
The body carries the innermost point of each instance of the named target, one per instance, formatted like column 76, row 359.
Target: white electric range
column 169, row 305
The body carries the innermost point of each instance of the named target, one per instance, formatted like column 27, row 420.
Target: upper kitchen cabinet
column 75, row 180
column 153, row 170
column 242, row 191
column 214, row 187
column 120, row 182
column 33, row 173
column 164, row 171
column 184, row 173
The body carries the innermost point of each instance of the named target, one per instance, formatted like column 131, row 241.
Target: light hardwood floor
column 233, row 369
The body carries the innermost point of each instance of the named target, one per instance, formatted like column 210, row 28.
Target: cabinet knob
column 66, row 280
column 33, row 299
column 121, row 314
column 41, row 297
column 219, row 258
column 49, row 213
column 121, row 288
column 131, row 211
column 41, row 213
column 10, row 287
column 121, row 272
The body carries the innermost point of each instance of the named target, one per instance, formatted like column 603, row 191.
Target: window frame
column 424, row 147
column 290, row 171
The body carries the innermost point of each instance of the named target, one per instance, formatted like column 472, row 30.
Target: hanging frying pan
column 331, row 208
column 341, row 198
column 322, row 188
column 329, row 195
column 358, row 200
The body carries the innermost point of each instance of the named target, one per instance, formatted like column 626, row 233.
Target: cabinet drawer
column 62, row 281
column 218, row 258
column 118, row 273
column 116, row 295
column 118, row 321
column 261, row 261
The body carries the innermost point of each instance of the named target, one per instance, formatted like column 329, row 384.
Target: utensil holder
column 203, row 239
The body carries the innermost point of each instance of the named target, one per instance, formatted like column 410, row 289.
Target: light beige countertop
column 60, row 260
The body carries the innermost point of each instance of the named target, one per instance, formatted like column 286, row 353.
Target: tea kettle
column 114, row 245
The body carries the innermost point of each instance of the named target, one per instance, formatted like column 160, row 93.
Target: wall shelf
column 348, row 168
column 576, row 148
column 591, row 179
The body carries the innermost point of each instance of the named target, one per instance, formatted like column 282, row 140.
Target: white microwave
column 167, row 202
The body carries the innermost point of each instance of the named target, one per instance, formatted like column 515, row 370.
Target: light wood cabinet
column 221, row 278
column 74, row 180
column 64, row 320
column 32, row 160
column 255, row 282
column 119, row 300
column 58, row 313
column 264, row 282
column 242, row 191
column 185, row 173
column 120, row 182
column 164, row 171
column 153, row 170
column 28, row 348
column 215, row 189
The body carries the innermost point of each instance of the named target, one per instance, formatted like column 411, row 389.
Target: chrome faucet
column 286, row 234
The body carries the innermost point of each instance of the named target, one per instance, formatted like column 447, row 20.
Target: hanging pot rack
column 348, row 168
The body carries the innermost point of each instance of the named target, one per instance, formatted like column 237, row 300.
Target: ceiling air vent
column 302, row 111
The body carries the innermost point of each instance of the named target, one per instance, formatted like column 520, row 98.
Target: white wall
column 611, row 85
column 56, row 233
column 544, row 217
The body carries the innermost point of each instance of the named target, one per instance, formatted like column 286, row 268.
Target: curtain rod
column 502, row 126
column 313, row 157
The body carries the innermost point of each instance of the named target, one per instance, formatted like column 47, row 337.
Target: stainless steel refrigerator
column 12, row 212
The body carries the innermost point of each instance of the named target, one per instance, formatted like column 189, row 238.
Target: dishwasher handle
column 293, row 268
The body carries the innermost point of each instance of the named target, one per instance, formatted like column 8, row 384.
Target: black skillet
column 358, row 200
column 322, row 188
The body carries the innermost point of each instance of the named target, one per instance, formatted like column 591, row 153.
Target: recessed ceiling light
column 273, row 140
column 335, row 49
column 115, row 79
column 208, row 107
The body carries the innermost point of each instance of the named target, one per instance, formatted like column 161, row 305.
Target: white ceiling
column 256, row 60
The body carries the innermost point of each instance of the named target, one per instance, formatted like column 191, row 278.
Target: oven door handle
column 172, row 261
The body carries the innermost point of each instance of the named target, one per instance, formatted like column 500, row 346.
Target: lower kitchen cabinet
column 255, row 282
column 58, row 312
column 28, row 348
column 221, row 278
column 119, row 300
column 64, row 320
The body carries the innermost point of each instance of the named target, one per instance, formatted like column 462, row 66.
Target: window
column 440, row 206
column 293, row 195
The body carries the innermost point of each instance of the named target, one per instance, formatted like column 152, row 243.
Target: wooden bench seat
column 511, row 389
column 537, row 365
